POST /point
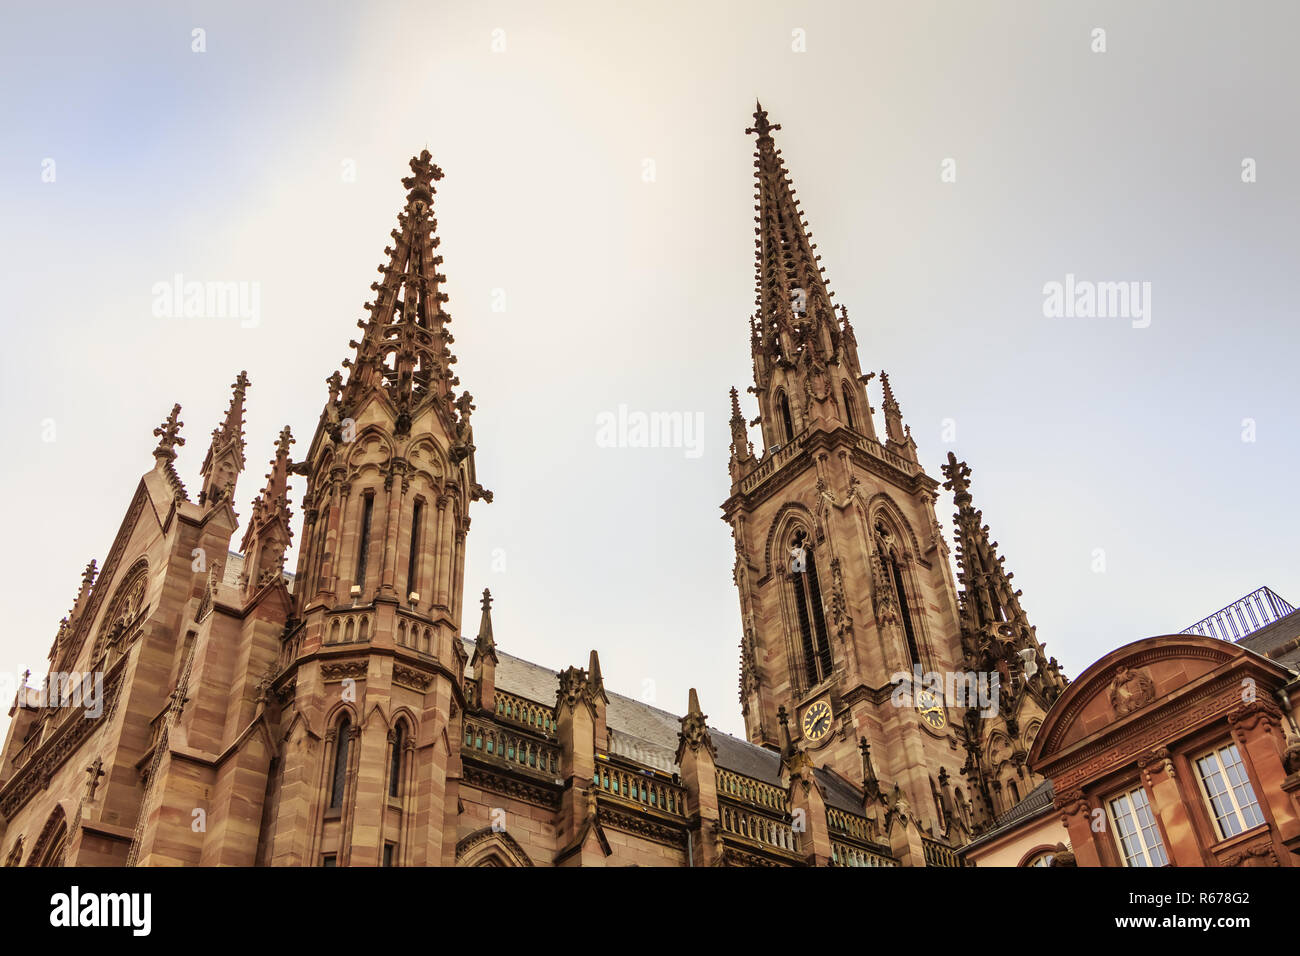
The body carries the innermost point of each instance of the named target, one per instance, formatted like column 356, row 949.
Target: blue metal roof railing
column 1244, row 616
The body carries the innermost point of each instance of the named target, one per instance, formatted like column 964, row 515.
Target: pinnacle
column 403, row 349
column 693, row 704
column 169, row 434
column 484, row 642
column 283, row 442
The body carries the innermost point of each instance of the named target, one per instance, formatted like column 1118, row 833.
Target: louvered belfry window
column 812, row 618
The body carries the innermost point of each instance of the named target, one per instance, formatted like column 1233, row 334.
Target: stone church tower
column 205, row 706
column 844, row 578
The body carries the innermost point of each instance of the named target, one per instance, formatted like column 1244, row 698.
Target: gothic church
column 338, row 716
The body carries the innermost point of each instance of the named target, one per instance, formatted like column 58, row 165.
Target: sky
column 953, row 161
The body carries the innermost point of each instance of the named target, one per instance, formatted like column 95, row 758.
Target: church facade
column 205, row 706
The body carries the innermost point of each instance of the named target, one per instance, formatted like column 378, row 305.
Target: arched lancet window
column 413, row 560
column 904, row 612
column 1014, row 791
column 850, row 415
column 342, row 741
column 938, row 806
column 812, row 616
column 893, row 569
column 363, row 546
column 50, row 845
column 395, row 771
column 783, row 407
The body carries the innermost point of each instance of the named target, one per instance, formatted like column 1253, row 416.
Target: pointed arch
column 427, row 460
column 894, row 547
column 49, row 847
column 850, row 406
column 784, row 416
column 997, row 752
column 882, row 504
column 808, row 647
column 488, row 848
column 340, row 757
column 401, row 747
column 790, row 513
column 361, row 449
column 15, row 856
column 125, row 609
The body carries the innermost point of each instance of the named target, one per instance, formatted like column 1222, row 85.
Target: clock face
column 816, row 721
column 931, row 709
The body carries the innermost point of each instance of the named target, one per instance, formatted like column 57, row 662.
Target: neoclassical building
column 1179, row 750
column 205, row 706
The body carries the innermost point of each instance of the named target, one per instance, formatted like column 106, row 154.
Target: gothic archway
column 50, row 845
column 487, row 847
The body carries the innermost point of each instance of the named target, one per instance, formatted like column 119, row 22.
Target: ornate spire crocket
column 996, row 634
column 269, row 533
column 405, row 344
column 805, row 366
column 225, row 458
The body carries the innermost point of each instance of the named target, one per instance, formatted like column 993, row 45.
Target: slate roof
column 840, row 794
column 647, row 734
column 1279, row 641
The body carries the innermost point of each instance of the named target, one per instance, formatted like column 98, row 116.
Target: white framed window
column 1043, row 859
column 1136, row 830
column 1227, row 789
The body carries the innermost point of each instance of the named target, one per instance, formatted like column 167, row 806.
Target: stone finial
column 424, row 173
column 169, row 436
column 958, row 482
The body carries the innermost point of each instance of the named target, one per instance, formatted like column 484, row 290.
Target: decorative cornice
column 342, row 670
column 497, row 782
column 630, row 822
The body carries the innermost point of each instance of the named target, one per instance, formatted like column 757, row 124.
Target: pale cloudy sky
column 1082, row 433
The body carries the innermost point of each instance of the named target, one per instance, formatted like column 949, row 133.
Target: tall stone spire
column 404, row 348
column 996, row 634
column 805, row 366
column 269, row 532
column 225, row 458
column 792, row 298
